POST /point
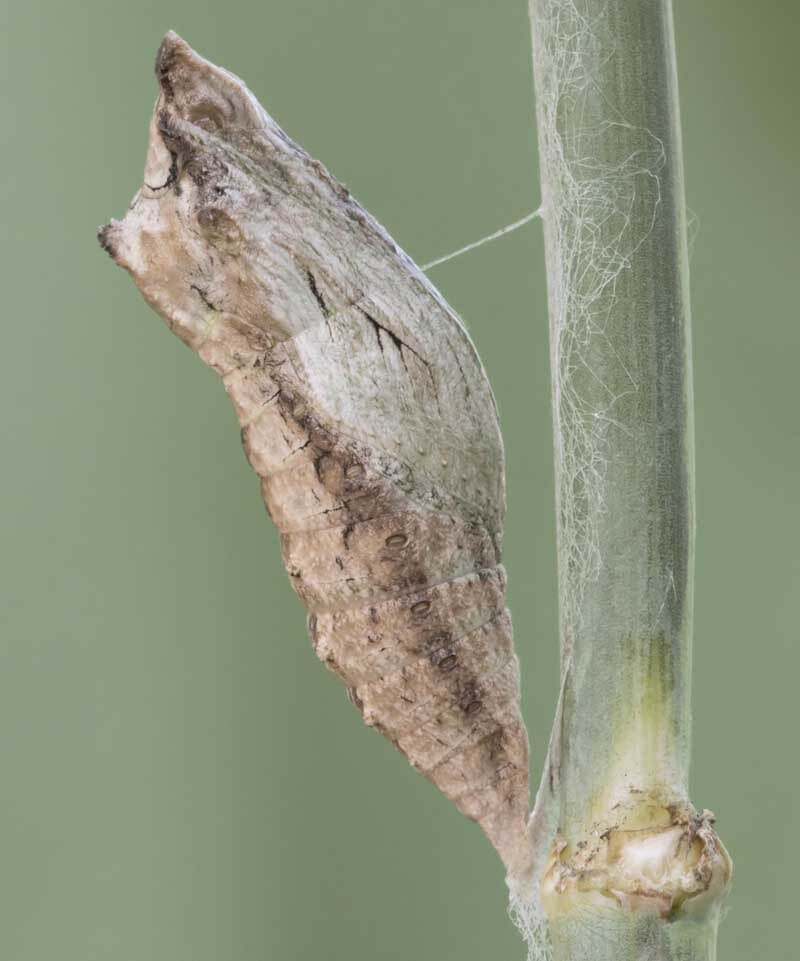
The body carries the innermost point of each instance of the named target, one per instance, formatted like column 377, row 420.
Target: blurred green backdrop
column 180, row 780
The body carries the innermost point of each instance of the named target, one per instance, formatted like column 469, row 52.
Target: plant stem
column 621, row 878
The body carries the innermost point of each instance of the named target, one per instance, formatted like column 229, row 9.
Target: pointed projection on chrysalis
column 367, row 416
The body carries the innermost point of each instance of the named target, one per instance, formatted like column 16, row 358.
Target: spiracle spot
column 329, row 471
column 396, row 540
column 439, row 641
column 473, row 707
column 320, row 438
column 421, row 609
column 447, row 664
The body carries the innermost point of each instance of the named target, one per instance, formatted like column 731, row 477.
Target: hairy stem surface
column 634, row 872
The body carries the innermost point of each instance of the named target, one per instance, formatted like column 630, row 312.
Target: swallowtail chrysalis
column 367, row 416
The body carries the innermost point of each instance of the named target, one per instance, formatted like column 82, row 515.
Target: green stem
column 615, row 232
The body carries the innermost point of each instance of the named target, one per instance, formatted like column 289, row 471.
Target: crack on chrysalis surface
column 172, row 175
column 203, row 296
column 399, row 344
column 312, row 284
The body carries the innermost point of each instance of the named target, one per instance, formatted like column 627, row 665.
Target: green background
column 180, row 780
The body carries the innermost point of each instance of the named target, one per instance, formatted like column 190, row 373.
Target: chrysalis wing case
column 367, row 415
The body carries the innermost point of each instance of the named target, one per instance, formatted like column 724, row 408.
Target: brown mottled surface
column 367, row 415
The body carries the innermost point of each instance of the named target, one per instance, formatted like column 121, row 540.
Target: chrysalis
column 367, row 416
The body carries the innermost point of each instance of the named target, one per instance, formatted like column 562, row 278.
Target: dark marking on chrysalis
column 312, row 283
column 421, row 609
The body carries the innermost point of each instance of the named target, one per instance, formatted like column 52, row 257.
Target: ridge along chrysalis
column 367, row 415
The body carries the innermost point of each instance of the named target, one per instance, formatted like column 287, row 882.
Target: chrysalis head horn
column 202, row 93
column 207, row 133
